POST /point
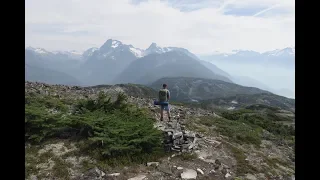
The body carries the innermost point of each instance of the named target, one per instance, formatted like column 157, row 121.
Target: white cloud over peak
column 202, row 26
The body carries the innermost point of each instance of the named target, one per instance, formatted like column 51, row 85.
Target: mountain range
column 115, row 62
column 277, row 58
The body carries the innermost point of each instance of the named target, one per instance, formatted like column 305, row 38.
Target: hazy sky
column 276, row 78
column 202, row 26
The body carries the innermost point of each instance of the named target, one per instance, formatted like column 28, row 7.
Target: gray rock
column 177, row 135
column 169, row 130
column 180, row 168
column 189, row 174
column 224, row 171
column 139, row 177
column 153, row 164
column 200, row 171
column 216, row 166
column 33, row 177
column 190, row 135
column 95, row 172
column 227, row 175
column 217, row 161
column 212, row 171
column 250, row 177
column 192, row 145
column 114, row 175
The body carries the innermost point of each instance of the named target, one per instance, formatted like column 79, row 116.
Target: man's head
column 164, row 86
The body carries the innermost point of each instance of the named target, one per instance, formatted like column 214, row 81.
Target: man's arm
column 168, row 95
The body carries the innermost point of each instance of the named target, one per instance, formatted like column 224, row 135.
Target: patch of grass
column 191, row 125
column 188, row 156
column 67, row 144
column 30, row 166
column 207, row 121
column 201, row 129
column 32, row 150
column 86, row 165
column 238, row 178
column 31, row 161
column 272, row 162
column 257, row 119
column 237, row 131
column 44, row 157
column 243, row 167
column 177, row 103
column 128, row 159
column 75, row 153
column 60, row 168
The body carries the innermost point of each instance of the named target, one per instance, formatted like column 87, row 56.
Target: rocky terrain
column 197, row 144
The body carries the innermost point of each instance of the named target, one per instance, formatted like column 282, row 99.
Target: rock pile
column 177, row 139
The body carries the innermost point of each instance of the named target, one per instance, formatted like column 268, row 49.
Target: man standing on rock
column 164, row 96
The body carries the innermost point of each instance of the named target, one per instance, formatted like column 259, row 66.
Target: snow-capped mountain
column 154, row 48
column 280, row 57
column 69, row 55
column 113, row 46
column 101, row 65
column 136, row 51
column 104, row 63
column 289, row 51
column 38, row 50
column 73, row 55
column 89, row 52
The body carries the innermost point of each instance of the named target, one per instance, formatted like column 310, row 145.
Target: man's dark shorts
column 165, row 107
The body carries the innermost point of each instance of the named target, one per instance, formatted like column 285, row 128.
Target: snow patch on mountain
column 76, row 52
column 154, row 48
column 115, row 43
column 137, row 52
column 37, row 50
column 281, row 52
column 289, row 51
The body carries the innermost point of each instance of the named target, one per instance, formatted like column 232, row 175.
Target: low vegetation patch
column 61, row 168
column 237, row 131
column 188, row 156
column 243, row 167
column 112, row 131
column 267, row 119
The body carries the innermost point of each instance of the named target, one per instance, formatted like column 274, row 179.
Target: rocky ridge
column 192, row 155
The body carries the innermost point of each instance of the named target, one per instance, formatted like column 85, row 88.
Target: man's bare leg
column 161, row 114
column 168, row 113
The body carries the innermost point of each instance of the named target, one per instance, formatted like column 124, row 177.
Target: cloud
column 265, row 10
column 202, row 26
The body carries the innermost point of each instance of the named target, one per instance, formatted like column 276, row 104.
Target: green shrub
column 110, row 128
